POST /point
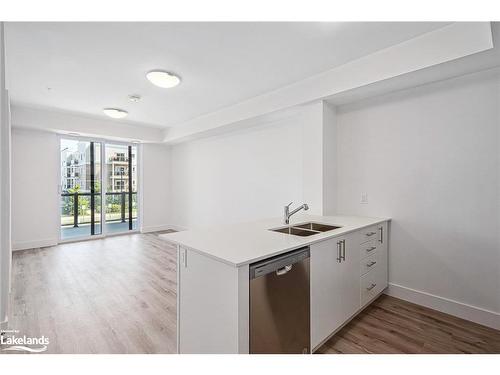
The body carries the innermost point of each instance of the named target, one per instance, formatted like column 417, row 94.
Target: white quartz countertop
column 241, row 244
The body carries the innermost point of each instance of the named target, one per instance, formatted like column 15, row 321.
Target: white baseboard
column 159, row 228
column 462, row 310
column 24, row 245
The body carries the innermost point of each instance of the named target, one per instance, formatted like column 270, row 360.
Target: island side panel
column 208, row 304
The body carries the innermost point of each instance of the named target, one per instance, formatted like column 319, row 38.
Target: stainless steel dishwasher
column 280, row 304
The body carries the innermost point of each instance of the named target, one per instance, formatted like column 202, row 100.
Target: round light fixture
column 163, row 79
column 115, row 112
column 136, row 142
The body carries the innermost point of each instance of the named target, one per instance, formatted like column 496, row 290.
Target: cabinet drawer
column 368, row 234
column 372, row 283
column 368, row 248
column 369, row 263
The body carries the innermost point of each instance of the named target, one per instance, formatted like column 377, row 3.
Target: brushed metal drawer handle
column 372, row 263
column 371, row 286
column 371, row 249
column 371, row 233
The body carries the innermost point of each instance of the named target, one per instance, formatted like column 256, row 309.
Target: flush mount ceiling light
column 163, row 79
column 115, row 112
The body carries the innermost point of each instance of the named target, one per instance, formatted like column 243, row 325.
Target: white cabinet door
column 350, row 300
column 326, row 290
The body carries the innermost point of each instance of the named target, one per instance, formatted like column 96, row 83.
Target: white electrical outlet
column 364, row 198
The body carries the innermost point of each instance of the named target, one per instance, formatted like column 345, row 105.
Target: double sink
column 305, row 229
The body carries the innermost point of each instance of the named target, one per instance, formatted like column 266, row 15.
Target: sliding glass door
column 98, row 184
column 121, row 188
column 81, row 181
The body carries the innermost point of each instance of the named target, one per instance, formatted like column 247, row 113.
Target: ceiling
column 84, row 67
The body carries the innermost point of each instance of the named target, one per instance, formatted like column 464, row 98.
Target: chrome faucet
column 287, row 213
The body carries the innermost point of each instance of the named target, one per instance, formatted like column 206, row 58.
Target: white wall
column 329, row 159
column 35, row 204
column 319, row 157
column 155, row 184
column 5, row 188
column 250, row 174
column 240, row 176
column 312, row 158
column 429, row 158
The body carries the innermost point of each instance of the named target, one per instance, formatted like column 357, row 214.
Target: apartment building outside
column 75, row 169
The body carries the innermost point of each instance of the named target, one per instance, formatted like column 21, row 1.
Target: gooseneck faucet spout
column 287, row 213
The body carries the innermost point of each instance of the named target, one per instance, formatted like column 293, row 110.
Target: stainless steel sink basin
column 317, row 227
column 305, row 229
column 295, row 231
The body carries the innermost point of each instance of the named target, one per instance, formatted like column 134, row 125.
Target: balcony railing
column 76, row 208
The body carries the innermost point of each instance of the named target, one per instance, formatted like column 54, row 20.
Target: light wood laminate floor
column 118, row 295
column 113, row 295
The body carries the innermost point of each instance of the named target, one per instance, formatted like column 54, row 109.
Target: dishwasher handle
column 280, row 264
column 284, row 270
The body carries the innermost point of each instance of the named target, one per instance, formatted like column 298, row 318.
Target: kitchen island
column 348, row 270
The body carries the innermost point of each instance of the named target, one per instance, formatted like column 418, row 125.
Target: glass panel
column 135, row 209
column 97, row 216
column 118, row 182
column 97, row 188
column 78, row 160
